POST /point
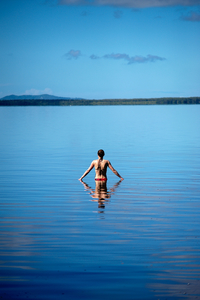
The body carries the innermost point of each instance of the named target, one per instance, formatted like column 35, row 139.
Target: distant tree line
column 144, row 101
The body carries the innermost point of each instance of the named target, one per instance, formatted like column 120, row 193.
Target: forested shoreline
column 85, row 102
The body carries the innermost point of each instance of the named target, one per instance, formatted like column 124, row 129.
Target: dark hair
column 101, row 153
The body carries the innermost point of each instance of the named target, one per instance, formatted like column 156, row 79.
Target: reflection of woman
column 100, row 166
column 101, row 192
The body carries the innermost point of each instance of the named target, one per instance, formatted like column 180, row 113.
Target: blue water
column 136, row 239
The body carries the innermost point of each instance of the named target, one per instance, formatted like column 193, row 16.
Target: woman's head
column 101, row 153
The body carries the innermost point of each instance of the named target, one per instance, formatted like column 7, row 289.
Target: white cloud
column 131, row 3
column 38, row 92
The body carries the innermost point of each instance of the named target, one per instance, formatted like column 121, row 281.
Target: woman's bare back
column 101, row 167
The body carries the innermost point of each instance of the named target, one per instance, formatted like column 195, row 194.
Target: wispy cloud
column 84, row 13
column 73, row 54
column 192, row 17
column 118, row 14
column 93, row 56
column 117, row 56
column 38, row 92
column 134, row 59
column 135, row 10
column 130, row 3
column 4, row 84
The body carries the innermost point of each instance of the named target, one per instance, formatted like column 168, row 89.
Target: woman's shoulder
column 106, row 161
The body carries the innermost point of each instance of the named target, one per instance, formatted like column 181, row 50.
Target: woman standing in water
column 100, row 166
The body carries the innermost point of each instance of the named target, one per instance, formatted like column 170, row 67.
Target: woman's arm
column 114, row 171
column 87, row 171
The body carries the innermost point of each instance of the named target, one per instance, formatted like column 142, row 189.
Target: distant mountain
column 37, row 97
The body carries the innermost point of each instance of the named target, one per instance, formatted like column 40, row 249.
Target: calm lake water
column 135, row 239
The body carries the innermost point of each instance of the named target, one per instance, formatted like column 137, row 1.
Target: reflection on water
column 101, row 193
column 135, row 240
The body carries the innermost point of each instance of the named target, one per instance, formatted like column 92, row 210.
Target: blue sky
column 97, row 49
